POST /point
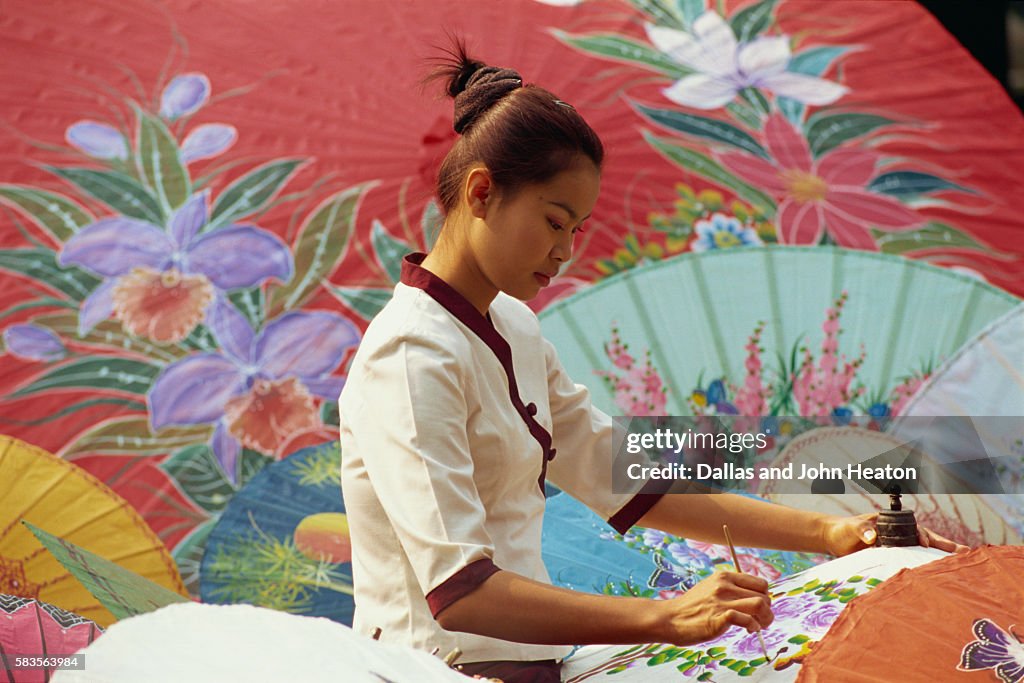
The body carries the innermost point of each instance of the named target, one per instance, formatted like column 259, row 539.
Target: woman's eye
column 554, row 224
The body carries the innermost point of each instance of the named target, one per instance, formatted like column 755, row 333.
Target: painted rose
column 749, row 645
column 819, row 621
column 793, row 606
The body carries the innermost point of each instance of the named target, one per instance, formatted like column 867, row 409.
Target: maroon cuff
column 460, row 584
column 638, row 505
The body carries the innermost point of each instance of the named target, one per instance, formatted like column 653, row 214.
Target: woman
column 456, row 410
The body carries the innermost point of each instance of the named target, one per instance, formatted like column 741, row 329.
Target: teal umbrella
column 744, row 330
column 754, row 331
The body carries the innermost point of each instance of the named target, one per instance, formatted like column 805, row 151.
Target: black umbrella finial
column 894, row 492
column 896, row 526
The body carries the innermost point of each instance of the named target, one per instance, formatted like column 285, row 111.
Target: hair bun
column 484, row 87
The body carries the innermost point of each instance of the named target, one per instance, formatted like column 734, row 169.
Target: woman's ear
column 479, row 191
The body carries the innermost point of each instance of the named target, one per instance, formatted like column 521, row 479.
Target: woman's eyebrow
column 569, row 210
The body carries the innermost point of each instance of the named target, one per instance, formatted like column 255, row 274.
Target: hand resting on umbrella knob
column 845, row 535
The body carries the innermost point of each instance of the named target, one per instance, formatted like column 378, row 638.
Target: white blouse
column 450, row 422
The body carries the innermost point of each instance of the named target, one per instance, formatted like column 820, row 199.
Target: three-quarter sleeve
column 417, row 458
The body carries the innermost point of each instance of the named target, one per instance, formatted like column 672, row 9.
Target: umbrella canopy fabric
column 123, row 592
column 801, row 112
column 956, row 619
column 751, row 331
column 41, row 488
column 583, row 553
column 283, row 541
column 215, row 643
column 32, row 628
column 580, row 551
column 984, row 378
column 271, row 176
column 805, row 606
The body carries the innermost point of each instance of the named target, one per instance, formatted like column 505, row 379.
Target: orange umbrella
column 43, row 489
column 943, row 621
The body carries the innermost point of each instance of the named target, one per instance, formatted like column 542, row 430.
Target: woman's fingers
column 734, row 617
column 867, row 532
column 746, row 581
column 759, row 609
column 930, row 539
column 752, row 614
column 845, row 535
column 722, row 600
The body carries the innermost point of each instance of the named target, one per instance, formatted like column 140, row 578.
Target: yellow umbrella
column 71, row 503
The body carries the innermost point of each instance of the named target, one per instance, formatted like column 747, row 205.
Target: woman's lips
column 542, row 279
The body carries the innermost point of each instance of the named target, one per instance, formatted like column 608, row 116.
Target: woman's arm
column 760, row 524
column 512, row 607
column 752, row 523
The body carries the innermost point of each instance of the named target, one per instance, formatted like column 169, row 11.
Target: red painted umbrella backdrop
column 202, row 203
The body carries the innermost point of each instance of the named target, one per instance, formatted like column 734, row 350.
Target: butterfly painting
column 994, row 649
column 671, row 577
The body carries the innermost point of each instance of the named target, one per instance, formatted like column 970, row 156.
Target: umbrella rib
column 96, row 517
column 42, row 640
column 1011, row 370
column 7, row 665
column 21, row 514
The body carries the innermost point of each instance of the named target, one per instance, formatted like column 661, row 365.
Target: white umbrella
column 202, row 643
column 983, row 385
column 805, row 605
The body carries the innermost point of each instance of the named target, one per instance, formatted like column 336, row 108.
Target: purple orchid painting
column 260, row 388
column 183, row 306
column 160, row 284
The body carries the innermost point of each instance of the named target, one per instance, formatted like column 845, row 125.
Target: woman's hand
column 722, row 600
column 845, row 535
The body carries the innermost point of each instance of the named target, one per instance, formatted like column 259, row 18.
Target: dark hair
column 521, row 132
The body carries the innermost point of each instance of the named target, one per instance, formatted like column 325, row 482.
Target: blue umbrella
column 282, row 542
column 581, row 552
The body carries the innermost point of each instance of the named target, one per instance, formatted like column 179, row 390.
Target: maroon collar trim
column 415, row 275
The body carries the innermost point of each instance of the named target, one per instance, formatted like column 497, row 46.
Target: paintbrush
column 736, row 563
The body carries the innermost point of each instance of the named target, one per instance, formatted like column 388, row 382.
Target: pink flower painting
column 819, row 196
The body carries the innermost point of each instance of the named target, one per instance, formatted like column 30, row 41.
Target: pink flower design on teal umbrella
column 822, row 195
column 261, row 388
column 161, row 283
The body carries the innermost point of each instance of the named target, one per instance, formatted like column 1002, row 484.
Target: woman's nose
column 562, row 250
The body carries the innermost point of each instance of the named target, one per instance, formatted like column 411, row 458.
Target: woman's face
column 524, row 239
